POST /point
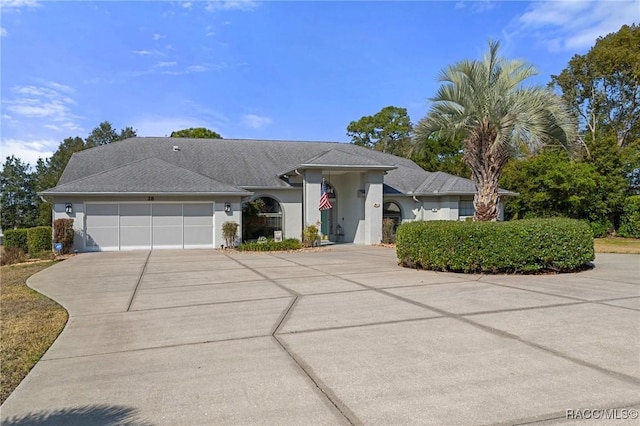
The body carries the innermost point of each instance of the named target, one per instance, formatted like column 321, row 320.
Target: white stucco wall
column 439, row 208
column 291, row 203
column 311, row 187
column 373, row 207
column 220, row 216
column 350, row 206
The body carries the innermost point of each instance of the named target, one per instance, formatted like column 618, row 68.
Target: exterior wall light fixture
column 227, row 207
column 68, row 208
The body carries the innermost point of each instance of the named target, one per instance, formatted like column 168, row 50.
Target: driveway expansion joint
column 255, row 271
column 328, row 394
column 501, row 333
column 285, row 315
column 151, row 348
column 135, row 290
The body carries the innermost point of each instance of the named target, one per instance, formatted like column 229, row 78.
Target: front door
column 328, row 218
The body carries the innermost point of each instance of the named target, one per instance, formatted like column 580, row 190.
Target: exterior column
column 373, row 207
column 312, row 185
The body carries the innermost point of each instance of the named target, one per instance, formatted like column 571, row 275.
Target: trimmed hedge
column 271, row 245
column 63, row 233
column 630, row 220
column 523, row 246
column 39, row 239
column 16, row 238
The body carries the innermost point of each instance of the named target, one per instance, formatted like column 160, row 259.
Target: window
column 392, row 211
column 465, row 208
column 261, row 218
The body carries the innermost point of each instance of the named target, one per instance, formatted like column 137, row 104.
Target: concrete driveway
column 343, row 336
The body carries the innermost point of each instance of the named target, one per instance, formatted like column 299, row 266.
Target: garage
column 144, row 226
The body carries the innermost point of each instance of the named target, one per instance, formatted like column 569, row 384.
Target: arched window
column 261, row 218
column 392, row 211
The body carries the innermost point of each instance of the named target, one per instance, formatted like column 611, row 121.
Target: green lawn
column 617, row 245
column 30, row 323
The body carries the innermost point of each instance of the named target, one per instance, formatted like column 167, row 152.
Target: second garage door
column 132, row 226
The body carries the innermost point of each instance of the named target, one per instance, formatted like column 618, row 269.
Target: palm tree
column 486, row 103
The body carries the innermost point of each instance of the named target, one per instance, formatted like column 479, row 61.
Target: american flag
column 325, row 204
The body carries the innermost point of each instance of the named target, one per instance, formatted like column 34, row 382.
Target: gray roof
column 149, row 175
column 150, row 164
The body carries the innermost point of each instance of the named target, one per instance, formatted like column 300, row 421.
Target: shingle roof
column 150, row 175
column 222, row 165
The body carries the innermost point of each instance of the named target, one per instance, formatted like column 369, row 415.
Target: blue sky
column 269, row 70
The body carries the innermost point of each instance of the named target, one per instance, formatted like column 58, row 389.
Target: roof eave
column 354, row 167
column 84, row 193
column 441, row 193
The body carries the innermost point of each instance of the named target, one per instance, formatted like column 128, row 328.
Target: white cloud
column 243, row 5
column 574, row 25
column 60, row 87
column 28, row 151
column 39, row 102
column 186, row 5
column 3, row 32
column 157, row 36
column 477, row 6
column 143, row 52
column 45, row 106
column 169, row 68
column 18, row 4
column 256, row 121
column 165, row 64
column 196, row 68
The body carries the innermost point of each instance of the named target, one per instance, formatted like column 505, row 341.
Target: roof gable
column 150, row 175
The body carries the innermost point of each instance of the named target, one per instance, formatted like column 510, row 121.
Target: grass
column 617, row 245
column 30, row 322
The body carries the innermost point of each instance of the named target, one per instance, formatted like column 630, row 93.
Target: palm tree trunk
column 486, row 166
column 485, row 201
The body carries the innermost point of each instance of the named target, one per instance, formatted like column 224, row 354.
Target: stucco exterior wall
column 291, row 203
column 350, row 206
column 373, row 207
column 311, row 187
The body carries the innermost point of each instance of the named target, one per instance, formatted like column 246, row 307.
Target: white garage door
column 133, row 226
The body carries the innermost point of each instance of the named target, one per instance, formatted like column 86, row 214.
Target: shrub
column 63, row 233
column 39, row 239
column 630, row 220
column 388, row 231
column 310, row 236
column 523, row 246
column 229, row 232
column 16, row 238
column 271, row 245
column 11, row 255
column 601, row 228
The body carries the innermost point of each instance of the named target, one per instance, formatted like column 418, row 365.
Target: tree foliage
column 389, row 130
column 441, row 153
column 19, row 198
column 105, row 134
column 485, row 103
column 196, row 133
column 551, row 184
column 603, row 87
